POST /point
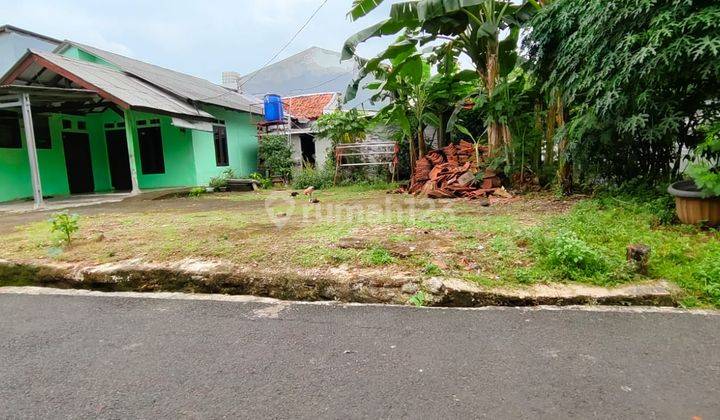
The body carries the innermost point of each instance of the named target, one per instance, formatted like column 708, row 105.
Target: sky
column 202, row 38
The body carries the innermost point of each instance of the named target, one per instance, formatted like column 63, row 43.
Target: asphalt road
column 118, row 357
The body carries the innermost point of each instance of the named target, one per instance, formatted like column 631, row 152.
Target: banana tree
column 401, row 83
column 416, row 98
column 470, row 27
column 446, row 89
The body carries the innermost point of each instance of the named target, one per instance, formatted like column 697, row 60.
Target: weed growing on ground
column 418, row 299
column 432, row 270
column 400, row 238
column 589, row 245
column 65, row 224
column 571, row 256
column 378, row 255
column 708, row 274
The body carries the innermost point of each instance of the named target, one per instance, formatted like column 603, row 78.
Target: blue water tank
column 273, row 108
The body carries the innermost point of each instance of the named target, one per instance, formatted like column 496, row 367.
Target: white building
column 304, row 110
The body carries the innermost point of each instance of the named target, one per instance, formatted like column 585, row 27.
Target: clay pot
column 692, row 207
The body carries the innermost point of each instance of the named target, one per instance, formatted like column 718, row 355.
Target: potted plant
column 698, row 200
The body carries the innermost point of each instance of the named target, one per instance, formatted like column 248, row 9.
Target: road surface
column 116, row 357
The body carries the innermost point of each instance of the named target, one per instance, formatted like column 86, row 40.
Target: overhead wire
column 284, row 47
column 287, row 44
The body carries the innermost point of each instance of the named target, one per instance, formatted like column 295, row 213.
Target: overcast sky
column 202, row 38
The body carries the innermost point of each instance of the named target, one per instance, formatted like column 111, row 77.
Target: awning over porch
column 58, row 84
column 52, row 99
column 61, row 100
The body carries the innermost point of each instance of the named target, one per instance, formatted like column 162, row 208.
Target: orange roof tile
column 307, row 106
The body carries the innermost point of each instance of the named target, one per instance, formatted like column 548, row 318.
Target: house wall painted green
column 177, row 151
column 15, row 167
column 242, row 145
column 189, row 155
column 74, row 52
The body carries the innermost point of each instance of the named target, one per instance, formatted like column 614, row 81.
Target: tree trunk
column 498, row 134
column 421, row 140
column 441, row 131
column 551, row 119
column 506, row 139
column 537, row 157
column 565, row 170
column 411, row 152
column 681, row 141
column 493, row 139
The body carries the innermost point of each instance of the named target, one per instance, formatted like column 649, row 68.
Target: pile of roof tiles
column 451, row 172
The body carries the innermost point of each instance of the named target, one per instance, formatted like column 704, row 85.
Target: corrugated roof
column 308, row 106
column 183, row 85
column 11, row 28
column 134, row 92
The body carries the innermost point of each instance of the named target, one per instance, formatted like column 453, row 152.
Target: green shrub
column 639, row 196
column 574, row 258
column 229, row 173
column 276, row 156
column 65, row 224
column 196, row 192
column 706, row 173
column 706, row 178
column 708, row 273
column 218, row 182
column 264, row 182
column 344, row 126
column 221, row 180
column 309, row 176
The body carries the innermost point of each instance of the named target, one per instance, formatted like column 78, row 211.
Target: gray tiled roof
column 183, row 85
column 135, row 92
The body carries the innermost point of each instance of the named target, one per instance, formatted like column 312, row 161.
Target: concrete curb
column 212, row 277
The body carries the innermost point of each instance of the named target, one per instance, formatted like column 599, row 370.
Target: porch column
column 131, row 137
column 32, row 150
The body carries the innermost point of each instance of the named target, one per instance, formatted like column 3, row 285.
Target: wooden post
column 130, row 136
column 32, row 150
column 338, row 161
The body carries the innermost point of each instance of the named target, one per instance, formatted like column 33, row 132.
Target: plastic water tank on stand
column 273, row 108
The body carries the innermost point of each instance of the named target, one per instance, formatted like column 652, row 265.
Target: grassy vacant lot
column 534, row 238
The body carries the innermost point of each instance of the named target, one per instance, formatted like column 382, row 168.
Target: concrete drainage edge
column 196, row 276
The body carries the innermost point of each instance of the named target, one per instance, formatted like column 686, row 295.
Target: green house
column 82, row 120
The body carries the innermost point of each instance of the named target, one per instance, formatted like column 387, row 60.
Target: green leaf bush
column 276, row 156
column 65, row 224
column 309, row 176
column 574, row 258
column 265, row 182
column 706, row 173
column 638, row 77
column 221, row 180
column 708, row 272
